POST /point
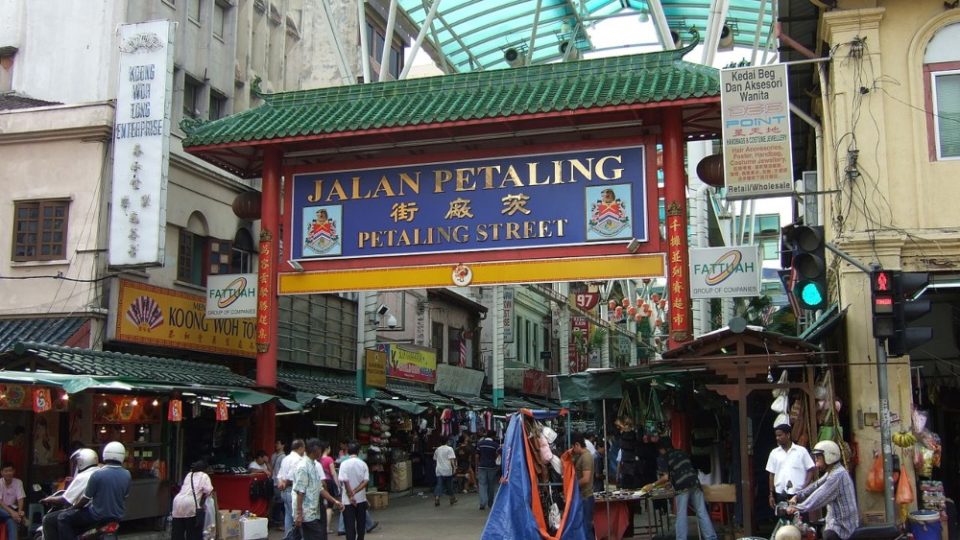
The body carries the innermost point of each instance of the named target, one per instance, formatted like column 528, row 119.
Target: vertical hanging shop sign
column 757, row 152
column 507, row 315
column 41, row 400
column 141, row 136
column 264, row 291
column 677, row 267
column 222, row 414
column 175, row 410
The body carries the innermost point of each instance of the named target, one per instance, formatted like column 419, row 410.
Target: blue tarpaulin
column 512, row 516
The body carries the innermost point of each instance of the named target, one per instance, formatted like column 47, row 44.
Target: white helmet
column 788, row 532
column 83, row 459
column 114, row 451
column 829, row 450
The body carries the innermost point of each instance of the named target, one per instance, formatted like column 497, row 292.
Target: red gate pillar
column 675, row 195
column 267, row 310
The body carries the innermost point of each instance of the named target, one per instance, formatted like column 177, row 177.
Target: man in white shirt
column 285, row 482
column 354, row 477
column 790, row 467
column 446, row 460
column 83, row 464
column 261, row 462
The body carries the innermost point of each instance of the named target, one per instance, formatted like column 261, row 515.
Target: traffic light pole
column 886, row 445
column 883, row 393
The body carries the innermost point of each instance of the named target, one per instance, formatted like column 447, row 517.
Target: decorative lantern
column 626, row 302
column 618, row 312
column 710, row 170
column 638, row 317
column 247, row 205
column 632, row 310
column 655, row 297
column 612, row 304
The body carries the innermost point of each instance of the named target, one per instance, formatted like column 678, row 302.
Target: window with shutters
column 40, row 230
column 942, row 93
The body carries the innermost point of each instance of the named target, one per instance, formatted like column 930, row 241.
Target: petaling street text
column 460, row 234
column 464, row 179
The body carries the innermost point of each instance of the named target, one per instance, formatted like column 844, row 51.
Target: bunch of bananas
column 904, row 439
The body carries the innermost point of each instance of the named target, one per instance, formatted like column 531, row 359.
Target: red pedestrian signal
column 882, row 296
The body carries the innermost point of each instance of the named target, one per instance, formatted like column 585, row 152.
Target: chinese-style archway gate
column 566, row 151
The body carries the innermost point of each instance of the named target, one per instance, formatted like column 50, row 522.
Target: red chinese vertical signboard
column 175, row 410
column 678, row 277
column 579, row 335
column 264, row 290
column 222, row 414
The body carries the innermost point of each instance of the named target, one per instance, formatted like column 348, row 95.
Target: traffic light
column 807, row 258
column 882, row 295
column 905, row 309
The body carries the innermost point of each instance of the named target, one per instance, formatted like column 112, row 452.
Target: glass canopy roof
column 476, row 34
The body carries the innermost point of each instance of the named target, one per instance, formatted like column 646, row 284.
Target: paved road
column 414, row 518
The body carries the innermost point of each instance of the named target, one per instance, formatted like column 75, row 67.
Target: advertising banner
column 757, row 159
column 141, row 133
column 232, row 296
column 535, row 383
column 410, row 362
column 166, row 318
column 725, row 272
column 508, row 315
column 459, row 381
column 486, row 204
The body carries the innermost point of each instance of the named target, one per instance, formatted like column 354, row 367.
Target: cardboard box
column 253, row 528
column 378, row 499
column 720, row 493
column 228, row 525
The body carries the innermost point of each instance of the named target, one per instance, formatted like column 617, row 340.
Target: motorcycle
column 102, row 531
column 863, row 532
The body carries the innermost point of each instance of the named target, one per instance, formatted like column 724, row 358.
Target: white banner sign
column 725, row 272
column 231, row 296
column 507, row 315
column 757, row 159
column 141, row 135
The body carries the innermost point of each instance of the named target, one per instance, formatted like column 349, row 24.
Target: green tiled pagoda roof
column 548, row 88
column 133, row 367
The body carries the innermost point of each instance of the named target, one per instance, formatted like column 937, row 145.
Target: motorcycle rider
column 834, row 490
column 104, row 498
column 84, row 463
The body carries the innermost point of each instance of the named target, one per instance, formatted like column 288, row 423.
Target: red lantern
column 638, row 317
column 655, row 297
column 663, row 304
column 626, row 302
column 658, row 322
column 632, row 310
column 612, row 304
column 618, row 312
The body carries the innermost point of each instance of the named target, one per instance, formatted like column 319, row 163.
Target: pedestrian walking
column 488, row 473
column 583, row 465
column 275, row 513
column 789, row 465
column 446, row 460
column 308, row 489
column 285, row 481
column 354, row 477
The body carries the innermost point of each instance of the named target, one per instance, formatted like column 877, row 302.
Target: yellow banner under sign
column 484, row 273
column 167, row 318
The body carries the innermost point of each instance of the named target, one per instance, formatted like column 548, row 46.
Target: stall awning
column 474, row 402
column 824, row 325
column 324, row 386
column 418, row 394
column 53, row 330
column 589, row 386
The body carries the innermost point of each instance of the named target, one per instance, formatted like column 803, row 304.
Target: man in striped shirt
column 834, row 490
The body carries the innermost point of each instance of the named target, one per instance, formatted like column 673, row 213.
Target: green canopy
column 589, row 386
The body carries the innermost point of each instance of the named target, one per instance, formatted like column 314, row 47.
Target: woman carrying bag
column 189, row 506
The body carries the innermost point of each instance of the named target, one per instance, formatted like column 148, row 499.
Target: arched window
column 241, row 260
column 941, row 66
column 192, row 251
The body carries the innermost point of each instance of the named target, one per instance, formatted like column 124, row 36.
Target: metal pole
column 885, row 437
column 604, row 463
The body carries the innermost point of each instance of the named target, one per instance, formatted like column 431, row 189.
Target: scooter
column 103, row 531
column 863, row 532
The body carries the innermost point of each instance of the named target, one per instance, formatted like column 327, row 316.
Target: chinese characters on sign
column 141, row 144
column 757, row 159
column 472, row 205
column 264, row 290
column 676, row 267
